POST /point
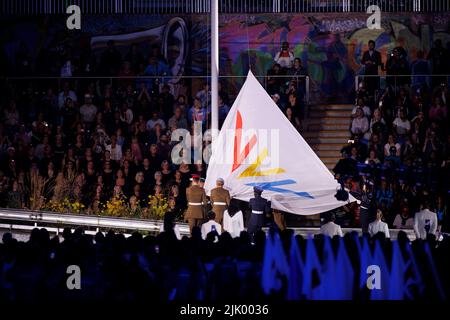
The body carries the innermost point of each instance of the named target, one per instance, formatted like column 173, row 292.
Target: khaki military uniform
column 195, row 213
column 279, row 219
column 220, row 200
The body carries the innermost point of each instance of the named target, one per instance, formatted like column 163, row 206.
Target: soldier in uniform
column 197, row 202
column 366, row 206
column 259, row 208
column 220, row 200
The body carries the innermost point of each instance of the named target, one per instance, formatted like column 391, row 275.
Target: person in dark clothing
column 371, row 59
column 111, row 60
column 259, row 208
column 438, row 56
column 397, row 65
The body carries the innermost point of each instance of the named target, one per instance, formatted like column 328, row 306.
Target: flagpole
column 214, row 68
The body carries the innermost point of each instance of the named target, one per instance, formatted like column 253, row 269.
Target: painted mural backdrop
column 330, row 45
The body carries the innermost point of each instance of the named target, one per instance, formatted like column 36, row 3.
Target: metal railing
column 231, row 83
column 397, row 81
column 108, row 7
column 24, row 220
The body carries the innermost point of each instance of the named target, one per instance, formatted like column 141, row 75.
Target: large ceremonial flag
column 258, row 146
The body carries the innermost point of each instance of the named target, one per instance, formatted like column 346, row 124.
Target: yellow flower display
column 157, row 207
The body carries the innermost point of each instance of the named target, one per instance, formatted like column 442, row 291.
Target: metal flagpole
column 214, row 68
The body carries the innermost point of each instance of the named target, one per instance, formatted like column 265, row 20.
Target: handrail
column 163, row 78
column 110, row 7
column 357, row 77
column 17, row 217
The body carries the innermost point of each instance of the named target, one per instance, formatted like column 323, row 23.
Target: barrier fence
column 14, row 220
column 38, row 7
column 397, row 81
column 231, row 84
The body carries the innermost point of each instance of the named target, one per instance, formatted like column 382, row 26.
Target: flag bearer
column 220, row 200
column 197, row 202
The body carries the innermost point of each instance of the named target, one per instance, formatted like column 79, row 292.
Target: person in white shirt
column 403, row 220
column 154, row 121
column 284, row 57
column 233, row 220
column 425, row 222
column 330, row 228
column 66, row 93
column 401, row 124
column 379, row 226
column 114, row 149
column 211, row 226
column 88, row 111
column 366, row 110
column 360, row 124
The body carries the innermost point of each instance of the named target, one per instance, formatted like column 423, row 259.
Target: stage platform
column 23, row 221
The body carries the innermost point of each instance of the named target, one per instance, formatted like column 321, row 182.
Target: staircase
column 327, row 130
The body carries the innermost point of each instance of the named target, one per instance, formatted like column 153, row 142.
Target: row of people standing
column 224, row 213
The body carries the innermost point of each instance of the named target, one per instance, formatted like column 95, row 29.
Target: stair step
column 330, row 120
column 327, row 147
column 342, row 140
column 328, row 127
column 327, row 134
column 331, row 160
column 346, row 107
column 331, row 113
column 324, row 154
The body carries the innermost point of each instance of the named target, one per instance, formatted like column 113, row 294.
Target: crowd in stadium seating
column 97, row 140
column 94, row 140
column 151, row 269
column 399, row 152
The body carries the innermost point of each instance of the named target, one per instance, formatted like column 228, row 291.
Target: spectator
column 330, row 228
column 134, row 58
column 392, row 147
column 11, row 115
column 379, row 226
column 360, row 124
column 223, row 111
column 274, row 79
column 371, row 59
column 438, row 56
column 420, row 69
column 372, row 159
column 155, row 68
column 438, row 111
column 365, row 109
column 204, row 96
column 401, row 124
column 403, row 220
column 197, row 112
column 377, row 123
column 88, row 111
column 397, row 68
column 114, row 149
column 111, row 60
column 294, row 105
column 178, row 121
column 425, row 222
column 211, row 226
column 293, row 119
column 66, row 93
column 154, row 121
column 284, row 57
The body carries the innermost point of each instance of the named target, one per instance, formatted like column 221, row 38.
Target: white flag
column 258, row 146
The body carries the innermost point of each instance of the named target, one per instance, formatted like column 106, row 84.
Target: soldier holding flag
column 259, row 208
column 197, row 202
column 220, row 200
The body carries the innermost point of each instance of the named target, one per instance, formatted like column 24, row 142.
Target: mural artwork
column 330, row 45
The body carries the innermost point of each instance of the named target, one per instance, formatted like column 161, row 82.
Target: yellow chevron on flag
column 251, row 169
